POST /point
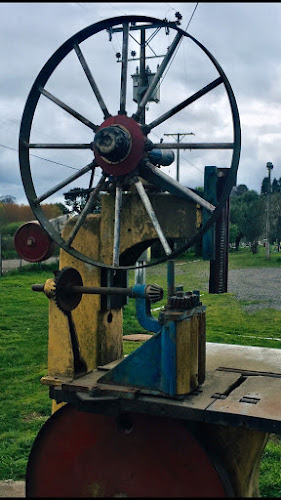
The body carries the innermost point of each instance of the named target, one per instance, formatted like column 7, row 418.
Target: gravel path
column 262, row 284
column 9, row 264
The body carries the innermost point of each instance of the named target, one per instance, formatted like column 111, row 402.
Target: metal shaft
column 117, row 225
column 90, row 290
column 124, row 69
column 148, row 291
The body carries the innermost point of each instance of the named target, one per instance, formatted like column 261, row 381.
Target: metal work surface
column 240, row 390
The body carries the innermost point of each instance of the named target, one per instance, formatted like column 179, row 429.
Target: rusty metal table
column 242, row 389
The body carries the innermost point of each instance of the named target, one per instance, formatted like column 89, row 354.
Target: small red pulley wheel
column 79, row 454
column 33, row 243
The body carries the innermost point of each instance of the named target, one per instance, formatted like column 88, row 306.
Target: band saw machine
column 179, row 416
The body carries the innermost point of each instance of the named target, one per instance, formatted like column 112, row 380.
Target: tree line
column 248, row 213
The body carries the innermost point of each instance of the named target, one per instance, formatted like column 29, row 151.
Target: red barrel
column 33, row 243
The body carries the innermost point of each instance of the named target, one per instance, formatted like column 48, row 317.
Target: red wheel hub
column 130, row 133
column 78, row 454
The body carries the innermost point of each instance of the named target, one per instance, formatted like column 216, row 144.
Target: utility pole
column 269, row 167
column 178, row 138
column 1, row 262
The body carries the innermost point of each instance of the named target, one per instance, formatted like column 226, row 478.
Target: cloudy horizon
column 243, row 37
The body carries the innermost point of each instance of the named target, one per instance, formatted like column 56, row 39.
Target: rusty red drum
column 33, row 243
column 79, row 454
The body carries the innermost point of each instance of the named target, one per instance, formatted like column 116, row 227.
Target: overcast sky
column 243, row 37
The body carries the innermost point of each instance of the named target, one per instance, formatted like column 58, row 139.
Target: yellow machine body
column 100, row 332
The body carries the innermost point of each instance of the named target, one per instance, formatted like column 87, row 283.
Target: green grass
column 270, row 470
column 245, row 258
column 25, row 403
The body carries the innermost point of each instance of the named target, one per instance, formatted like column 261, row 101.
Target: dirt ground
column 11, row 488
column 261, row 285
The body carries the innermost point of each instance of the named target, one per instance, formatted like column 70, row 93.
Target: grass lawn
column 25, row 404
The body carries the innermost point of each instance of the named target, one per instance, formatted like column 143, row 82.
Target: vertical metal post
column 269, row 167
column 124, row 69
column 142, row 80
column 210, row 194
column 178, row 139
column 178, row 159
column 218, row 281
column 140, row 272
column 117, row 224
column 1, row 270
column 171, row 277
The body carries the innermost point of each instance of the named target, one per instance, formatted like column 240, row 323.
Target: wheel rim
column 38, row 89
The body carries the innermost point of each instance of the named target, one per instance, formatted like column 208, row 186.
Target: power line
column 170, row 6
column 178, row 137
column 112, row 5
column 40, row 157
column 191, row 16
column 181, row 156
column 86, row 8
column 178, row 46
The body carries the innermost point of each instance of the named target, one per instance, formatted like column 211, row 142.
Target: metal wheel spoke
column 193, row 145
column 86, row 210
column 92, row 82
column 159, row 178
column 69, row 110
column 179, row 107
column 147, row 204
column 91, row 181
column 156, row 79
column 59, row 146
column 117, row 225
column 124, row 70
column 64, row 183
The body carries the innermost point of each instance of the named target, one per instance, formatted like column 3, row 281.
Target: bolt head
column 30, row 242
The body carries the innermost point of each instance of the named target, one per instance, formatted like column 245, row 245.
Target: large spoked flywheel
column 111, row 131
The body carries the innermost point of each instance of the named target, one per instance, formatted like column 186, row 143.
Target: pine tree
column 264, row 186
column 275, row 188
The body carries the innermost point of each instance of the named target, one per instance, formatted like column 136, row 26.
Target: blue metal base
column 152, row 366
column 142, row 368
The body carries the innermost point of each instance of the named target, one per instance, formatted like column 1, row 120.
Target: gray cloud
column 243, row 37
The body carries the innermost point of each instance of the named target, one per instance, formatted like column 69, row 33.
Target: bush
column 8, row 233
column 11, row 228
